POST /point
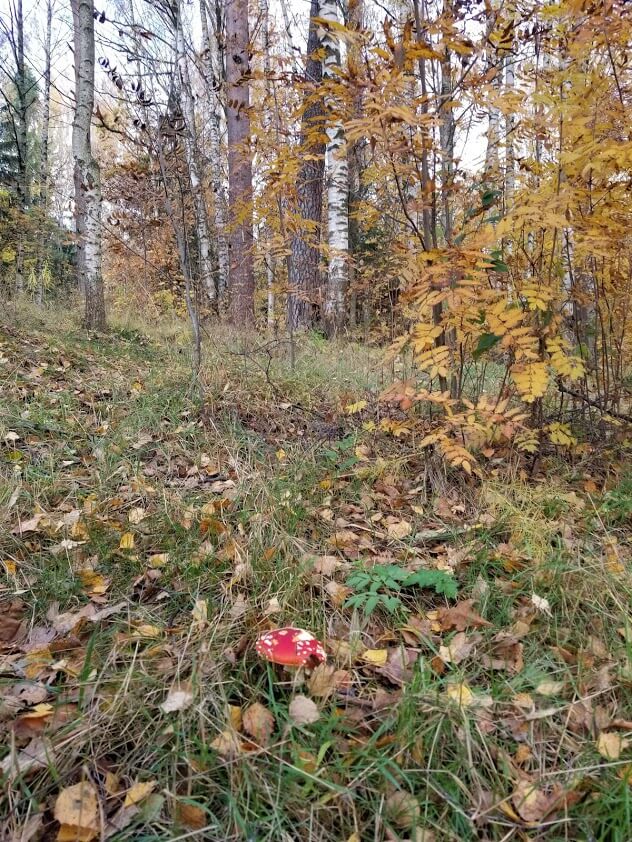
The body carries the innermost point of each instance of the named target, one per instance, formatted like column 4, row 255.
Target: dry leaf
column 76, row 810
column 534, row 804
column 136, row 515
column 460, row 616
column 226, row 744
column 399, row 529
column 457, row 649
column 127, row 541
column 403, row 809
column 200, row 612
column 258, row 721
column 235, row 717
column 138, row 792
column 38, row 754
column 550, row 688
column 377, row 657
column 158, row 560
column 303, row 711
column 191, row 815
column 179, row 698
column 610, row 745
column 460, row 693
column 322, row 681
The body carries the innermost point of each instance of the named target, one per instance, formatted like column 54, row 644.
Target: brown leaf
column 534, row 804
column 38, row 754
column 180, row 697
column 191, row 815
column 460, row 616
column 258, row 721
column 303, row 711
column 458, row 649
column 11, row 618
column 610, row 745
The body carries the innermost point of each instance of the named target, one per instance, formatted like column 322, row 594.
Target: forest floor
column 147, row 537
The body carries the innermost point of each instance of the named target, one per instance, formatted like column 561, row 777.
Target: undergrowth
column 202, row 521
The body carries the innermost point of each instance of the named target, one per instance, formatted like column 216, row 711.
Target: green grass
column 117, row 429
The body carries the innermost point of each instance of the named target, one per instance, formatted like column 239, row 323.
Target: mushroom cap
column 290, row 646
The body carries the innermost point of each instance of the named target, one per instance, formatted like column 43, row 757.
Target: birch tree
column 43, row 161
column 304, row 268
column 213, row 79
column 194, row 162
column 87, row 175
column 337, row 182
column 241, row 273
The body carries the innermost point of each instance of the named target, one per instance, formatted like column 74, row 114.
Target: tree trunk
column 213, row 73
column 43, row 162
column 194, row 166
column 492, row 161
column 241, row 274
column 21, row 138
column 510, row 169
column 87, row 175
column 304, row 275
column 337, row 185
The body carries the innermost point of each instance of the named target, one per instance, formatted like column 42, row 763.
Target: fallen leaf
column 610, row 745
column 235, row 717
column 76, row 810
column 258, row 721
column 322, row 680
column 127, row 541
column 460, row 693
column 226, row 744
column 399, row 529
column 550, row 688
column 326, row 565
column 200, row 612
column 403, row 809
column 191, row 815
column 457, row 649
column 11, row 620
column 138, row 792
column 158, row 560
column 38, row 754
column 180, row 697
column 460, row 616
column 303, row 711
column 541, row 604
column 534, row 804
column 377, row 657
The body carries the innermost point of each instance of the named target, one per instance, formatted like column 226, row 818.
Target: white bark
column 87, row 172
column 337, row 183
column 212, row 72
column 193, row 164
column 510, row 175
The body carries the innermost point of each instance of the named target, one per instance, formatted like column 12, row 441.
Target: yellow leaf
column 40, row 711
column 235, row 717
column 127, row 541
column 354, row 408
column 610, row 745
column 550, row 688
column 377, row 657
column 138, row 792
column 76, row 809
column 399, row 529
column 158, row 560
column 145, row 630
column 460, row 693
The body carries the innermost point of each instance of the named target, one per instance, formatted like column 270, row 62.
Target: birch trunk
column 87, row 175
column 21, row 137
column 194, row 166
column 510, row 167
column 304, row 266
column 492, row 161
column 213, row 74
column 241, row 275
column 337, row 185
column 43, row 162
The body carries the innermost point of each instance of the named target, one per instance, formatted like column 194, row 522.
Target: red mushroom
column 291, row 647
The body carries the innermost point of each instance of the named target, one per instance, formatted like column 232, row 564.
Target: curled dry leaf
column 399, row 529
column 303, row 711
column 458, row 649
column 258, row 721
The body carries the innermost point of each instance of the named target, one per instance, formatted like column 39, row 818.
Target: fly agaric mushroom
column 291, row 647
